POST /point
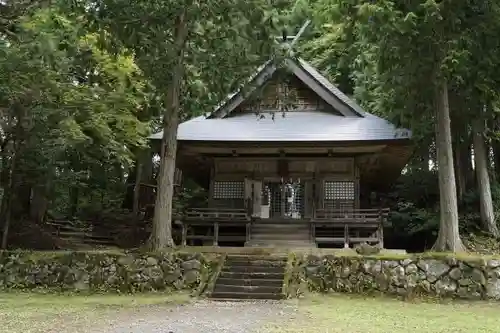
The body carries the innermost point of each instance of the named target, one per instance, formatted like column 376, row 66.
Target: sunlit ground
column 343, row 314
column 37, row 313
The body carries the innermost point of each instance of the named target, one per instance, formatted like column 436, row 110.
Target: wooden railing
column 214, row 218
column 370, row 219
column 211, row 214
column 78, row 233
column 354, row 215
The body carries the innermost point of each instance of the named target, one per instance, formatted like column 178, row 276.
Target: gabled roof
column 307, row 74
column 351, row 123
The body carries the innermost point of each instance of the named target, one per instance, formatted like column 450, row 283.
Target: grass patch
column 37, row 313
column 344, row 314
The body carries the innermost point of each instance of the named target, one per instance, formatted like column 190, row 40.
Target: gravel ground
column 200, row 317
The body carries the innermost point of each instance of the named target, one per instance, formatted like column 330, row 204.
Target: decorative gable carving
column 284, row 94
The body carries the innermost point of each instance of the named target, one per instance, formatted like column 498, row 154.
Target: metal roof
column 293, row 127
column 353, row 125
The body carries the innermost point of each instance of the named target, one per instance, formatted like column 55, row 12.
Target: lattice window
column 272, row 195
column 339, row 190
column 229, row 190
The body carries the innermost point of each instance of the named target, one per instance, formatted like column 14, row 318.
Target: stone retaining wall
column 424, row 275
column 105, row 272
column 467, row 278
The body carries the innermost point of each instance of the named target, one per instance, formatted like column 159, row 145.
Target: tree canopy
column 83, row 84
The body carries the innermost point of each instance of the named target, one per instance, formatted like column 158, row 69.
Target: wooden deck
column 327, row 227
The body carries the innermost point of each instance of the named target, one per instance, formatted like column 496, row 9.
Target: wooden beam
column 277, row 151
column 301, row 31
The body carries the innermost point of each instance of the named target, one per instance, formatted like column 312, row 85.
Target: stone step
column 235, row 295
column 255, row 257
column 252, row 275
column 222, row 288
column 250, row 282
column 262, row 263
column 253, row 269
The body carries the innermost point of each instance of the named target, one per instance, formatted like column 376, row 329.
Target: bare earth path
column 200, row 317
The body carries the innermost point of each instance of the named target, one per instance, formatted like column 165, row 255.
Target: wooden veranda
column 328, row 228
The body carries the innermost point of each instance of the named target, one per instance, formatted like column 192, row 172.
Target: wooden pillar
column 211, row 185
column 381, row 229
column 356, row 187
column 248, row 227
column 308, row 199
column 381, row 236
column 346, row 236
column 257, row 198
column 313, row 232
column 248, row 196
column 184, row 234
column 216, row 234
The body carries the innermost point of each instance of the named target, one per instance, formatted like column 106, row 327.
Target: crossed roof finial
column 294, row 38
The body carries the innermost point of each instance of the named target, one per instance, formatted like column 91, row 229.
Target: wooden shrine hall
column 293, row 162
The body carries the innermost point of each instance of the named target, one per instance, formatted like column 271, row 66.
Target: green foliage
column 226, row 41
column 73, row 113
column 191, row 195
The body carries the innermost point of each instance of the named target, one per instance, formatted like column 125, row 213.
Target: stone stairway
column 286, row 234
column 250, row 277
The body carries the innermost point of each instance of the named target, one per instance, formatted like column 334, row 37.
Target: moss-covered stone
column 103, row 271
column 431, row 275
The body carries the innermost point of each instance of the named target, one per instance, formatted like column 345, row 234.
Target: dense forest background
column 83, row 84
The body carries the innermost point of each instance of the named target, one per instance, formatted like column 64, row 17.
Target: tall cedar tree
column 176, row 43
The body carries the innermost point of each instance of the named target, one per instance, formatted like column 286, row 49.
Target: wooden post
column 346, row 236
column 216, row 234
column 381, row 229
column 381, row 236
column 248, row 232
column 313, row 232
column 184, row 234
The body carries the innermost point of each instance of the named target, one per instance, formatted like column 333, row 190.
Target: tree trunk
column 161, row 235
column 460, row 176
column 496, row 148
column 147, row 197
column 39, row 203
column 137, row 186
column 9, row 189
column 463, row 166
column 9, row 193
column 448, row 237
column 7, row 202
column 483, row 179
